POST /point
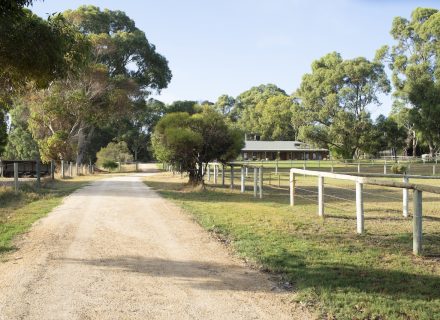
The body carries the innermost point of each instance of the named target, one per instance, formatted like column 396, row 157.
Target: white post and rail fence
column 360, row 181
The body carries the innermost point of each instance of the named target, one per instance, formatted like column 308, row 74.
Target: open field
column 334, row 270
column 19, row 210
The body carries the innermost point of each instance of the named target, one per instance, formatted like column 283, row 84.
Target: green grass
column 335, row 272
column 18, row 211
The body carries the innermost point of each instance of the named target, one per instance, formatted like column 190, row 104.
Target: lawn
column 19, row 210
column 334, row 271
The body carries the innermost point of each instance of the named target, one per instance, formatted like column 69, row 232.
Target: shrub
column 114, row 152
column 398, row 168
column 109, row 165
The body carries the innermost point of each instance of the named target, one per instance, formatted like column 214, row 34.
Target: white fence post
column 232, row 177
column 242, row 181
column 321, row 196
column 255, row 182
column 292, row 188
column 16, row 176
column 359, row 167
column 215, row 173
column 417, row 222
column 209, row 171
column 359, row 208
column 405, row 198
column 261, row 183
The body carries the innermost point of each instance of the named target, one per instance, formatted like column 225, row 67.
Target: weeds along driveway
column 116, row 250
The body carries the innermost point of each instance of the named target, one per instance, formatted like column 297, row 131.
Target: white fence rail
column 359, row 182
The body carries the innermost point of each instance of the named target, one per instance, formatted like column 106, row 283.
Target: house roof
column 278, row 146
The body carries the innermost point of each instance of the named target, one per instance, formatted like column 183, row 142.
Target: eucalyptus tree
column 400, row 113
column 252, row 116
column 33, row 50
column 225, row 104
column 414, row 61
column 123, row 69
column 188, row 141
column 21, row 145
column 188, row 106
column 391, row 136
column 136, row 129
column 333, row 101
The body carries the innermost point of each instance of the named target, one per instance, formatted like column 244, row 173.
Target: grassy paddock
column 366, row 166
column 19, row 210
column 335, row 271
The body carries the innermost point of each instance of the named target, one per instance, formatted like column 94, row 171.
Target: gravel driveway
column 117, row 250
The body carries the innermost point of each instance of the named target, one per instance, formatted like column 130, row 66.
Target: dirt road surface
column 116, row 250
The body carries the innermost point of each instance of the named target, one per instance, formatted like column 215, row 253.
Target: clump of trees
column 80, row 85
column 413, row 61
column 83, row 80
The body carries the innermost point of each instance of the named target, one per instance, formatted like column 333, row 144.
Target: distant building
column 283, row 150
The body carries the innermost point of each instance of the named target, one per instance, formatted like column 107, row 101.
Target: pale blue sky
column 228, row 46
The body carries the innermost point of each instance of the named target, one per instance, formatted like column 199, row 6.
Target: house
column 282, row 150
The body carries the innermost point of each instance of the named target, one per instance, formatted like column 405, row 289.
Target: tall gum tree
column 249, row 110
column 333, row 100
column 33, row 50
column 123, row 69
column 414, row 61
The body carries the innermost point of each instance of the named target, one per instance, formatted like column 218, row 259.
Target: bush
column 109, row 165
column 114, row 152
column 398, row 168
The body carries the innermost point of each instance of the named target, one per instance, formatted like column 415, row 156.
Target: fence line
column 359, row 182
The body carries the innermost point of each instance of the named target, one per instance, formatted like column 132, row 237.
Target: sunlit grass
column 334, row 270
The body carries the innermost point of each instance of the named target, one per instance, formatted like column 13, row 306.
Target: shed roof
column 278, row 146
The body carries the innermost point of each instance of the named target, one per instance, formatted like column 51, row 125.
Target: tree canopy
column 121, row 46
column 110, row 89
column 190, row 141
column 333, row 102
column 414, row 61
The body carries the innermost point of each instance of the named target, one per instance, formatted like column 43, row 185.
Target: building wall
column 285, row 155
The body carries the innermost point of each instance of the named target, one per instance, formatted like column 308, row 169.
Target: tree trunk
column 414, row 143
column 80, row 146
column 83, row 141
column 195, row 176
column 431, row 150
